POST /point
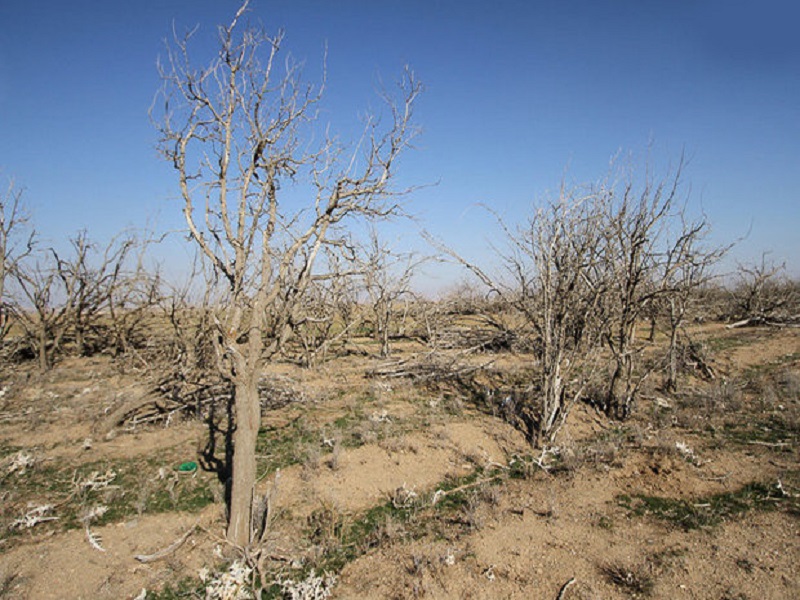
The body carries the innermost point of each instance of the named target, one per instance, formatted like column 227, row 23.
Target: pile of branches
column 428, row 367
column 483, row 339
column 172, row 398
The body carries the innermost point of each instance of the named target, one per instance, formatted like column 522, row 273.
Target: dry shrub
column 636, row 581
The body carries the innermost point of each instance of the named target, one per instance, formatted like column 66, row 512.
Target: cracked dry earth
column 588, row 527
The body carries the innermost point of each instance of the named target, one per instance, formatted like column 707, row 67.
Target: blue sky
column 519, row 94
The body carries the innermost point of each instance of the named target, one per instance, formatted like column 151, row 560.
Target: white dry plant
column 96, row 512
column 380, row 417
column 19, row 463
column 233, row 584
column 94, row 481
column 313, row 587
column 546, row 458
column 403, row 497
column 34, row 516
column 687, row 453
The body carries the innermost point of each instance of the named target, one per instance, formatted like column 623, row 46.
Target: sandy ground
column 524, row 538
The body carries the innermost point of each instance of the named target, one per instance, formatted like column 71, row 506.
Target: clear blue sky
column 518, row 93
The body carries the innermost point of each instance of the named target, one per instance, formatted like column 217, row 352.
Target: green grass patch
column 303, row 440
column 403, row 516
column 729, row 342
column 125, row 487
column 775, row 431
column 185, row 588
column 705, row 512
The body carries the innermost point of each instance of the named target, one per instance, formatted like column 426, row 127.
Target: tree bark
column 44, row 364
column 672, row 378
column 247, row 415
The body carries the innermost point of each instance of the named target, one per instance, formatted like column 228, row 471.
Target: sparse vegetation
column 294, row 421
column 709, row 511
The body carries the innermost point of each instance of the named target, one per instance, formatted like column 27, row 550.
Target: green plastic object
column 188, row 467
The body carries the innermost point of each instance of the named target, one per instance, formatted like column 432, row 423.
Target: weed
column 745, row 565
column 605, row 522
column 187, row 587
column 124, row 487
column 777, row 430
column 313, row 587
column 710, row 511
column 636, row 581
column 7, row 584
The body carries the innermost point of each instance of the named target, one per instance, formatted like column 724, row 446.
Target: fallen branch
column 793, row 321
column 94, row 540
column 564, row 588
column 439, row 494
column 148, row 558
column 769, row 444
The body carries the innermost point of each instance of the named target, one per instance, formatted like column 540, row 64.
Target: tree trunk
column 672, row 377
column 383, row 317
column 553, row 399
column 247, row 415
column 619, row 399
column 43, row 362
column 80, row 341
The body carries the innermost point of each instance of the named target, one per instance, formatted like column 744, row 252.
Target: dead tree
column 96, row 278
column 234, row 131
column 553, row 266
column 686, row 271
column 645, row 262
column 45, row 306
column 16, row 242
column 553, row 262
column 314, row 322
column 763, row 295
column 134, row 291
column 386, row 277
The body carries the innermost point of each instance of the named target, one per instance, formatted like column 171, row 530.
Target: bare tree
column 687, row 269
column 387, row 278
column 763, row 294
column 45, row 307
column 553, row 261
column 646, row 263
column 16, row 242
column 96, row 279
column 634, row 222
column 134, row 290
column 315, row 321
column 232, row 130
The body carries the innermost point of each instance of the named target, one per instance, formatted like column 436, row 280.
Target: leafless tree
column 100, row 287
column 45, row 307
column 387, row 279
column 651, row 255
column 82, row 295
column 134, row 291
column 315, row 321
column 185, row 360
column 763, row 294
column 634, row 221
column 687, row 270
column 553, row 261
column 16, row 242
column 233, row 131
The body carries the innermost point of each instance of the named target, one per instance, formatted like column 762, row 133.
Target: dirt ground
column 409, row 491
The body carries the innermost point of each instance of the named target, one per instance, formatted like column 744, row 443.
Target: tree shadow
column 220, row 427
